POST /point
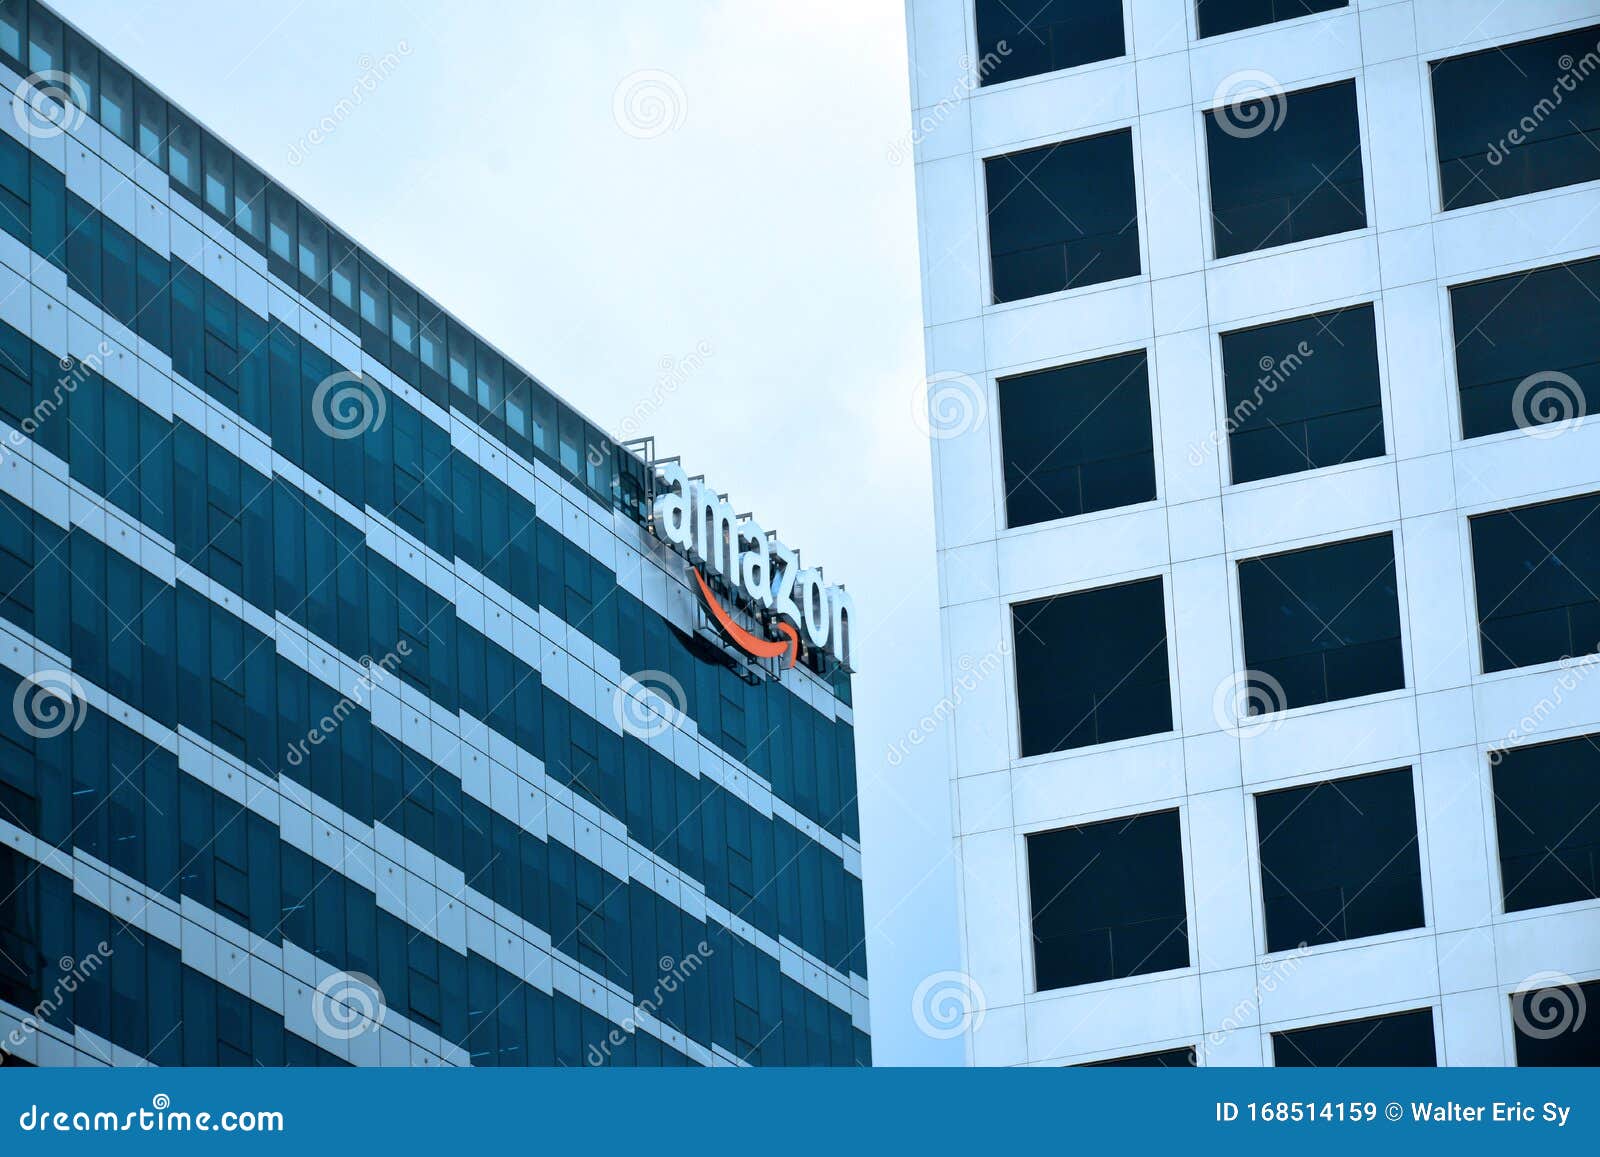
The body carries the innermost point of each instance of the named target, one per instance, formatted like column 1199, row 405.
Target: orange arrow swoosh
column 753, row 644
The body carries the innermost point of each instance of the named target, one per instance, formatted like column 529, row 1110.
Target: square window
column 1551, row 1026
column 1092, row 667
column 1537, row 570
column 1018, row 38
column 1062, row 216
column 1165, row 1059
column 1217, row 17
column 1077, row 439
column 1107, row 900
column 1303, row 394
column 1321, row 624
column 1401, row 1039
column 1339, row 860
column 1516, row 118
column 1546, row 856
column 1285, row 167
column 1527, row 348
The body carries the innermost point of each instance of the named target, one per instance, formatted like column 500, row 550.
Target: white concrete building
column 1235, row 143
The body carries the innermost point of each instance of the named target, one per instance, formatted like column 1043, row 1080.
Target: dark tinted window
column 1018, row 38
column 1107, row 900
column 1062, row 216
column 1527, row 348
column 1092, row 667
column 1166, row 1059
column 1285, row 167
column 1321, row 624
column 1077, row 439
column 1219, row 16
column 1557, row 1025
column 1339, row 860
column 1303, row 394
column 1516, row 118
column 1547, row 818
column 1537, row 571
column 1402, row 1039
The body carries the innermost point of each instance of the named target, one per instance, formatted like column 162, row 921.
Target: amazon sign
column 791, row 602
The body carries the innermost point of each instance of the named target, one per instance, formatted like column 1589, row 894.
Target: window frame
column 1258, row 903
column 1445, row 286
column 1464, row 517
column 991, row 384
column 980, row 161
column 1081, row 586
column 975, row 54
column 1434, row 1005
column 1240, row 554
column 1024, row 889
column 1224, row 447
column 1208, row 230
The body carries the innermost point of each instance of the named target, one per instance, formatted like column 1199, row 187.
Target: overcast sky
column 615, row 193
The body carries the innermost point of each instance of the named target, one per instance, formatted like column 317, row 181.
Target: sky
column 694, row 220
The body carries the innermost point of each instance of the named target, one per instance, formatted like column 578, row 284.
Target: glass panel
column 183, row 151
column 83, row 65
column 152, row 134
column 116, row 100
column 249, row 202
column 218, row 186
column 1062, row 216
column 281, row 226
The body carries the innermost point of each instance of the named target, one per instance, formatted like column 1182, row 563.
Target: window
column 1515, row 119
column 1527, row 348
column 1219, row 16
column 1092, row 667
column 1302, row 394
column 1537, row 570
column 1403, row 1039
column 1551, row 1028
column 1018, row 38
column 1062, row 216
column 1321, row 624
column 1107, row 900
column 1165, row 1059
column 1339, row 860
column 1285, row 168
column 1077, row 439
column 1547, row 820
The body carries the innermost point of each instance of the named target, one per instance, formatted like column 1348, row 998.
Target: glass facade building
column 1263, row 367
column 349, row 710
